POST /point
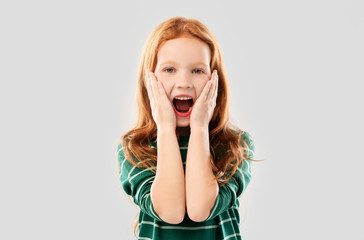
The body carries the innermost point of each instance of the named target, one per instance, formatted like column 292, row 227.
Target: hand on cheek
column 162, row 110
column 205, row 104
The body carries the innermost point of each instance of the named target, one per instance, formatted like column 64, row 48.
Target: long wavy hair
column 224, row 137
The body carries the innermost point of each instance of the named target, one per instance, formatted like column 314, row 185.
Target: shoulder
column 247, row 137
column 127, row 158
column 244, row 136
column 119, row 147
column 247, row 142
column 120, row 151
column 121, row 158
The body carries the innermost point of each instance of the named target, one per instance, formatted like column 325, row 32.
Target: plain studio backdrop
column 68, row 73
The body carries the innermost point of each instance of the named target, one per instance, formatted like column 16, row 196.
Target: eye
column 199, row 71
column 167, row 69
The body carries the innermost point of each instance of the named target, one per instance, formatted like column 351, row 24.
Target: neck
column 183, row 131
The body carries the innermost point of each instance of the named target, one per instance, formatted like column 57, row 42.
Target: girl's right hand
column 162, row 109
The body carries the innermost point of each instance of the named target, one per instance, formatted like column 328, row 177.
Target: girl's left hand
column 205, row 104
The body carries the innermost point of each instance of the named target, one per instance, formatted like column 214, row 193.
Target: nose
column 184, row 80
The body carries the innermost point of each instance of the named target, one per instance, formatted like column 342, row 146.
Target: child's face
column 183, row 68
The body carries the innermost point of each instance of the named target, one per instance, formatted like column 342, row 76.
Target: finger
column 146, row 76
column 153, row 84
column 213, row 84
column 216, row 85
column 151, row 93
column 206, row 90
column 159, row 88
column 162, row 91
column 147, row 84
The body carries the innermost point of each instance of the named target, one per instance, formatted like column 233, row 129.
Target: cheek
column 200, row 86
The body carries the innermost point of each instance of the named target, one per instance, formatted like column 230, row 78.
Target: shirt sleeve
column 233, row 189
column 137, row 183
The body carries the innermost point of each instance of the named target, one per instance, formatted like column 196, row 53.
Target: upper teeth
column 183, row 98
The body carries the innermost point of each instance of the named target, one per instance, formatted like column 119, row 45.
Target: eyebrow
column 173, row 62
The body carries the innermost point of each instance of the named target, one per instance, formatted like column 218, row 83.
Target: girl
column 183, row 164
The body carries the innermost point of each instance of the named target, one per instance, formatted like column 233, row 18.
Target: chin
column 183, row 122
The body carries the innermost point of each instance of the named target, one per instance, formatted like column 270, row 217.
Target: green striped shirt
column 223, row 221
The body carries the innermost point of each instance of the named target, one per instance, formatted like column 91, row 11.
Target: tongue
column 182, row 105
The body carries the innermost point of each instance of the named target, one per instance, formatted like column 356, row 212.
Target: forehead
column 184, row 50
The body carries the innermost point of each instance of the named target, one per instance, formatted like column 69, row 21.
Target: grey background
column 68, row 80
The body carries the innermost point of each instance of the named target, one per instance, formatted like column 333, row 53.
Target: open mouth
column 183, row 104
